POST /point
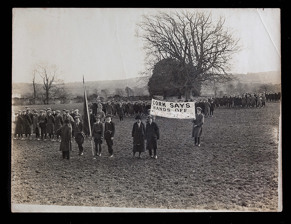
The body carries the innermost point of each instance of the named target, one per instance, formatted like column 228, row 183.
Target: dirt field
column 235, row 168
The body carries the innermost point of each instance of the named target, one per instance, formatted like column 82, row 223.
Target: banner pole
column 88, row 117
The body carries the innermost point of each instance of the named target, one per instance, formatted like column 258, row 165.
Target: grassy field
column 235, row 168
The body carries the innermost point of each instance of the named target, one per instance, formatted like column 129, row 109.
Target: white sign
column 180, row 110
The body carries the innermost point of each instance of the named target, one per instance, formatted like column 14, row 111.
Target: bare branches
column 48, row 75
column 202, row 45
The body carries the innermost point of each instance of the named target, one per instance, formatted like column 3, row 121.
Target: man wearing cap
column 42, row 120
column 138, row 134
column 78, row 134
column 71, row 119
column 98, row 133
column 50, row 125
column 197, row 126
column 77, row 114
column 152, row 135
column 109, row 134
column 35, row 124
column 58, row 122
column 18, row 125
column 27, row 122
column 66, row 135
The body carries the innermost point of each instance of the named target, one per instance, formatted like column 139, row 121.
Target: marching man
column 197, row 126
column 109, row 134
column 152, row 135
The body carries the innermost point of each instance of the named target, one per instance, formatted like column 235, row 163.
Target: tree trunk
column 34, row 92
column 188, row 93
column 47, row 96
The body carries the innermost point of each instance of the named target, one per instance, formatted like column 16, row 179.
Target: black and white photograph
column 146, row 110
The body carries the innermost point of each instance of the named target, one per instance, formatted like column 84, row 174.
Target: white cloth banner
column 180, row 110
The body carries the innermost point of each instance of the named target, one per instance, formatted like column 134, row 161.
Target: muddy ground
column 235, row 168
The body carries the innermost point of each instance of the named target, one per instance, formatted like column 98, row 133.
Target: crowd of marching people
column 63, row 126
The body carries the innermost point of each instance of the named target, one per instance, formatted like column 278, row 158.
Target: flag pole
column 88, row 117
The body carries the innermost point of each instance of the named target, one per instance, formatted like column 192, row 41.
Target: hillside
column 76, row 88
column 272, row 77
column 139, row 85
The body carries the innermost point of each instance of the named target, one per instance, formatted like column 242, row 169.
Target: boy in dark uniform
column 109, row 134
column 78, row 134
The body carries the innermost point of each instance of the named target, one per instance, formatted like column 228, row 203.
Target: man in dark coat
column 197, row 126
column 50, row 125
column 78, row 134
column 109, row 132
column 58, row 122
column 66, row 135
column 120, row 111
column 27, row 122
column 138, row 134
column 18, row 125
column 152, row 135
column 97, row 134
column 42, row 120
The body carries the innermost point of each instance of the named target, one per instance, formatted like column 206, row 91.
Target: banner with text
column 180, row 110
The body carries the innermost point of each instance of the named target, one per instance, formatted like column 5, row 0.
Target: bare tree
column 49, row 75
column 202, row 46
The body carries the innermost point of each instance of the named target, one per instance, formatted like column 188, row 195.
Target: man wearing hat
column 138, row 134
column 97, row 133
column 66, row 135
column 152, row 135
column 58, row 122
column 78, row 134
column 197, row 126
column 109, row 134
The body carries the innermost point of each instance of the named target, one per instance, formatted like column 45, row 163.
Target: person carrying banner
column 97, row 133
column 152, row 135
column 66, row 135
column 109, row 134
column 138, row 134
column 78, row 134
column 197, row 126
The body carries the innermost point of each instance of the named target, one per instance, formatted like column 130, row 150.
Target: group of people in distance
column 246, row 100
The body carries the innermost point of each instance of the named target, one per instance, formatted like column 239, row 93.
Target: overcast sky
column 101, row 43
